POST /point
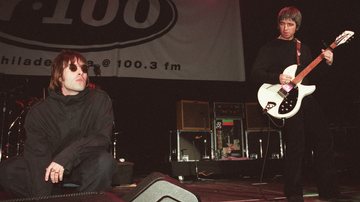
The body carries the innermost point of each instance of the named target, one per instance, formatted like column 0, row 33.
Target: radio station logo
column 87, row 25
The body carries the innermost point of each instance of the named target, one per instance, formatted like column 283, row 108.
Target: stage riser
column 227, row 168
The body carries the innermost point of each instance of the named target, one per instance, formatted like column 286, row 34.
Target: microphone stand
column 18, row 140
column 2, row 126
column 196, row 161
column 262, row 156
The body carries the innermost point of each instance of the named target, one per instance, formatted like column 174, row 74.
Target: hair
column 60, row 62
column 290, row 13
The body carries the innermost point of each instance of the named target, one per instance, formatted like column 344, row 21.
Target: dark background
column 145, row 109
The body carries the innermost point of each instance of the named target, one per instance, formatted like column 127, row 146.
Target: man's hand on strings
column 284, row 79
column 328, row 56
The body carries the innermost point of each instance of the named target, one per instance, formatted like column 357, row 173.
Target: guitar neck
column 311, row 66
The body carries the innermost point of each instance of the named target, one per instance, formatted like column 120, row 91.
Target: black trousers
column 93, row 172
column 308, row 129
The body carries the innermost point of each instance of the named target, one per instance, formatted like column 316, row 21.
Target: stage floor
column 222, row 190
column 238, row 190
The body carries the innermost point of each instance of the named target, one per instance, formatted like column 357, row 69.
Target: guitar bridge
column 283, row 93
column 285, row 89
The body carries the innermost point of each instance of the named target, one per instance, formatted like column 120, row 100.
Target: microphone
column 97, row 70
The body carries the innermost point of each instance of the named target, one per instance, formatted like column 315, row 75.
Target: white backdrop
column 162, row 39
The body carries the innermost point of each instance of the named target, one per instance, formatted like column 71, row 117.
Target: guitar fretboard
column 311, row 66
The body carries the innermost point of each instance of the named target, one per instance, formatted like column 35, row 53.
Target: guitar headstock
column 344, row 37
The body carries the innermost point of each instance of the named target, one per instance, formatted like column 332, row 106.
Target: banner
column 160, row 39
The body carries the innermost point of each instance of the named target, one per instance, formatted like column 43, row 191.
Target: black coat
column 274, row 57
column 62, row 127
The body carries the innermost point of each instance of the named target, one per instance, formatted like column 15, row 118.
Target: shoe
column 295, row 199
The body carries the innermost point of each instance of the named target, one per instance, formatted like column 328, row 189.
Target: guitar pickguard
column 289, row 102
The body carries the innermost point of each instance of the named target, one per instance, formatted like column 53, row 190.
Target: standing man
column 308, row 126
column 67, row 136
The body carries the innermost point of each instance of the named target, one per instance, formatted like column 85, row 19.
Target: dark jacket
column 274, row 57
column 62, row 127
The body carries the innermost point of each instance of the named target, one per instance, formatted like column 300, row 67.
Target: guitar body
column 283, row 106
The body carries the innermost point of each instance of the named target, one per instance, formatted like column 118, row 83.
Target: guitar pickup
column 285, row 89
column 283, row 93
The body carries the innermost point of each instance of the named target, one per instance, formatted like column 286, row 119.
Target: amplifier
column 193, row 115
column 226, row 109
column 255, row 119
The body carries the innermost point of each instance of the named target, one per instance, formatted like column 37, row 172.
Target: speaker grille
column 193, row 115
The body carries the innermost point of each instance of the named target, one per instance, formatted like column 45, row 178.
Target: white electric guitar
column 284, row 101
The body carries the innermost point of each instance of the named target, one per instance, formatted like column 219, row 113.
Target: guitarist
column 308, row 127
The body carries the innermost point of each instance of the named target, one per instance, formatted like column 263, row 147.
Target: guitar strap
column 298, row 53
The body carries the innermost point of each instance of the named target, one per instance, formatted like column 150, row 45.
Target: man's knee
column 105, row 163
column 14, row 176
column 11, row 168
